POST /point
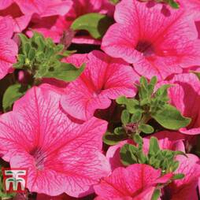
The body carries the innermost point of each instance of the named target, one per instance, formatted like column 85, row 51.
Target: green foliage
column 114, row 1
column 156, row 157
column 145, row 128
column 169, row 117
column 96, row 24
column 156, row 194
column 13, row 93
column 148, row 104
column 173, row 4
column 42, row 58
column 113, row 138
column 153, row 104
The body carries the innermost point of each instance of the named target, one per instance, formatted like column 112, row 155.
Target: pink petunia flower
column 58, row 27
column 60, row 156
column 20, row 20
column 185, row 95
column 104, row 79
column 44, row 8
column 137, row 181
column 5, row 3
column 8, row 48
column 192, row 6
column 157, row 40
column 186, row 188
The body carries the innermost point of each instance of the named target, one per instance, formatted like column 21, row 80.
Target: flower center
column 39, row 156
column 145, row 47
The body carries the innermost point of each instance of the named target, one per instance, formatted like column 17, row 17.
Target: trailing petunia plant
column 99, row 99
column 150, row 104
column 40, row 58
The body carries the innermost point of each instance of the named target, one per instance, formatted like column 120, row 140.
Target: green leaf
column 138, row 139
column 169, row 117
column 112, row 138
column 13, row 93
column 66, row 72
column 31, row 54
column 153, row 146
column 173, row 4
column 153, row 81
column 136, row 116
column 156, row 194
column 24, row 41
column 125, row 117
column 96, row 24
column 65, row 54
column 114, row 1
column 180, row 153
column 174, row 166
column 127, row 154
column 132, row 105
column 142, row 159
column 178, row 176
column 145, row 128
column 21, row 61
column 162, row 91
column 144, row 82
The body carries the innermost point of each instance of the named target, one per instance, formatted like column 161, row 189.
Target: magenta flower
column 5, row 3
column 20, row 20
column 8, row 48
column 185, row 95
column 81, row 7
column 57, row 26
column 104, row 79
column 192, row 6
column 60, row 156
column 157, row 40
column 186, row 188
column 44, row 8
column 137, row 181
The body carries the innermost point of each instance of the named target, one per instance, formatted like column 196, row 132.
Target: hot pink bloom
column 57, row 26
column 8, row 48
column 104, row 79
column 185, row 95
column 81, row 7
column 186, row 188
column 44, row 8
column 192, row 6
column 157, row 40
column 20, row 20
column 5, row 3
column 54, row 27
column 137, row 181
column 60, row 156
